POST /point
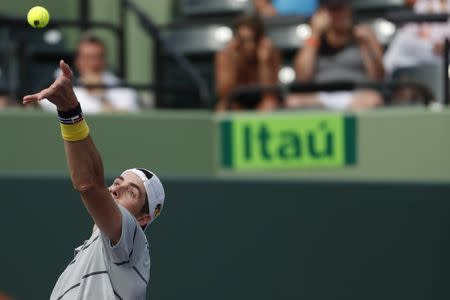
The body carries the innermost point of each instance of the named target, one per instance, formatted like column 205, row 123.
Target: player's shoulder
column 131, row 224
column 127, row 215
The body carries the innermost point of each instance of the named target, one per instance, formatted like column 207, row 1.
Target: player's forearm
column 86, row 172
column 84, row 161
column 85, row 164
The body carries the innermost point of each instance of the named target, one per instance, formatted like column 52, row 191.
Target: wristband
column 72, row 116
column 74, row 132
column 73, row 125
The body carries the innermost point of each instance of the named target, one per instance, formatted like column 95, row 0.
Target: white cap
column 154, row 190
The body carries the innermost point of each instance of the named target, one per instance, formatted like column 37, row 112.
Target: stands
column 203, row 28
column 428, row 75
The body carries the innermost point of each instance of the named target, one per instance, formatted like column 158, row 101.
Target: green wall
column 400, row 144
column 225, row 239
column 31, row 143
column 392, row 144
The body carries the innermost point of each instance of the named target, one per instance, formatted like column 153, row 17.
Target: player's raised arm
column 84, row 161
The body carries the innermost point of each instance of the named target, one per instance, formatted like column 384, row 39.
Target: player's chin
column 115, row 199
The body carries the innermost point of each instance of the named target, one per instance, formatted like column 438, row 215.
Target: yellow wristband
column 74, row 132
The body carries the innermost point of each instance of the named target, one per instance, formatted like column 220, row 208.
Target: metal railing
column 83, row 23
column 178, row 57
column 385, row 88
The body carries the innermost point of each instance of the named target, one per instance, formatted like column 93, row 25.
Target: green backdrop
column 398, row 144
column 379, row 229
column 221, row 239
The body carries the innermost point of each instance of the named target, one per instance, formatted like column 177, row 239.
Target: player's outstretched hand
column 59, row 93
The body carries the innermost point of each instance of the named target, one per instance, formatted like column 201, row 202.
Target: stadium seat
column 199, row 43
column 209, row 36
column 383, row 29
column 172, row 75
column 428, row 75
column 191, row 8
column 377, row 4
column 199, row 38
column 369, row 9
column 287, row 33
column 39, row 52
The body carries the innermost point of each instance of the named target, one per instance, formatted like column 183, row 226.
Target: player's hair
column 254, row 22
column 89, row 37
column 145, row 210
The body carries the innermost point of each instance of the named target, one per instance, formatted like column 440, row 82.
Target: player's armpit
column 130, row 242
column 103, row 210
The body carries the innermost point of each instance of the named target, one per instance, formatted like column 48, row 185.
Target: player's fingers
column 30, row 98
column 65, row 69
column 45, row 93
column 37, row 97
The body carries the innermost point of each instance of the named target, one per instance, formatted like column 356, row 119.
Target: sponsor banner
column 288, row 142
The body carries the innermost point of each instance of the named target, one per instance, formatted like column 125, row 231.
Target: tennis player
column 115, row 262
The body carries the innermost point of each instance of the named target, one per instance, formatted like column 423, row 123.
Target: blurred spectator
column 249, row 58
column 409, row 3
column 90, row 63
column 417, row 44
column 6, row 101
column 269, row 8
column 338, row 50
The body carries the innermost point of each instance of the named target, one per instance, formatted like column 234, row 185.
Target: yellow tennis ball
column 38, row 17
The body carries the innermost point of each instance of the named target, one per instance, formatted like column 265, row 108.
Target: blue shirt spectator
column 286, row 7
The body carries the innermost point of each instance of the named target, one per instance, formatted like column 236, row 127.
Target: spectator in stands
column 6, row 101
column 249, row 58
column 90, row 63
column 338, row 50
column 417, row 44
column 409, row 3
column 269, row 8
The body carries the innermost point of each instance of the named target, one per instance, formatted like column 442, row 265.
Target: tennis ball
column 38, row 17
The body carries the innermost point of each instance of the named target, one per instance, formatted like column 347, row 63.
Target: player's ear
column 157, row 211
column 144, row 220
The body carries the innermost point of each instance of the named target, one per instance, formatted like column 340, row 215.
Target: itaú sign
column 287, row 141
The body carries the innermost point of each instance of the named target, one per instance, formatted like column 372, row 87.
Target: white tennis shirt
column 102, row 271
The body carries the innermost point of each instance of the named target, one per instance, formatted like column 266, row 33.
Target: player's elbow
column 87, row 187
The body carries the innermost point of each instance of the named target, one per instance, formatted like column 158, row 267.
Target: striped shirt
column 102, row 271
